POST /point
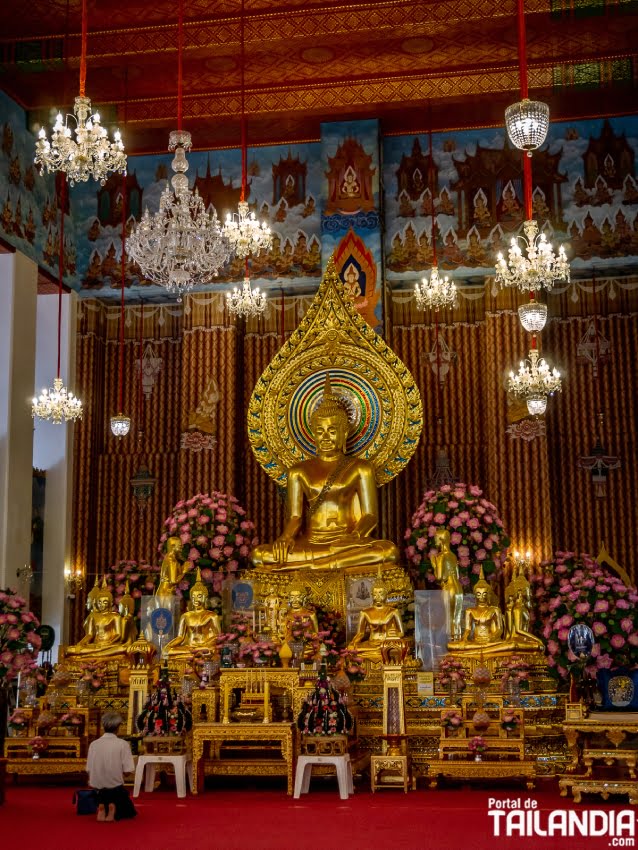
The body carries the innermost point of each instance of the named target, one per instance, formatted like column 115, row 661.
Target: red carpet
column 262, row 817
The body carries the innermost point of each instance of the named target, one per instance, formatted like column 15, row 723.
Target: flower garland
column 216, row 536
column 324, row 711
column 576, row 589
column 18, row 720
column 477, row 536
column 19, row 642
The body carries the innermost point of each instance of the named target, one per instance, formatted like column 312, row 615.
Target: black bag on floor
column 85, row 801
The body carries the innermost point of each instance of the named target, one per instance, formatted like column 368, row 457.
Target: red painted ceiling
column 451, row 63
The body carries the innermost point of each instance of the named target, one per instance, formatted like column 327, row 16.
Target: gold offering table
column 468, row 770
column 586, row 738
column 243, row 749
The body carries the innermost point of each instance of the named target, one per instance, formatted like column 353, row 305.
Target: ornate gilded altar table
column 244, row 749
column 469, row 770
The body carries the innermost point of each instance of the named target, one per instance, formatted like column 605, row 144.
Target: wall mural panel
column 284, row 184
column 585, row 195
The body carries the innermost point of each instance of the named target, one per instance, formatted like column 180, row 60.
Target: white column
column 18, row 292
column 53, row 452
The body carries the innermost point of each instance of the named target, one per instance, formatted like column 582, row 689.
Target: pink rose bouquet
column 451, row 673
column 19, row 641
column 142, row 581
column 477, row 536
column 576, row 589
column 215, row 534
column 477, row 744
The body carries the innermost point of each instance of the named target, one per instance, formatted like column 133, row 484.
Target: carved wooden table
column 614, row 725
column 244, row 749
column 485, row 769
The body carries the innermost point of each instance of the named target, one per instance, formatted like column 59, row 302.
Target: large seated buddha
column 331, row 504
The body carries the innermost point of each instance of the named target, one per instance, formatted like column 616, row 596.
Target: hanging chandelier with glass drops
column 56, row 403
column 246, row 302
column 534, row 382
column 527, row 121
column 534, row 266
column 83, row 150
column 533, row 316
column 181, row 244
column 437, row 292
column 246, row 235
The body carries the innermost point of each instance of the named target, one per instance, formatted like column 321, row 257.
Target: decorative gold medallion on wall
column 378, row 390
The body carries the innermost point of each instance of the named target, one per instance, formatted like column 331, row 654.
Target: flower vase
column 35, row 756
column 478, row 757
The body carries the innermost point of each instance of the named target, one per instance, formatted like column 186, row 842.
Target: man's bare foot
column 101, row 813
column 111, row 815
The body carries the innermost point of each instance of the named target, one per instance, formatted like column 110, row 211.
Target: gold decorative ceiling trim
column 337, row 94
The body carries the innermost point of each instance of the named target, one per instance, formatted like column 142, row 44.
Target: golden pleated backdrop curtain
column 581, row 521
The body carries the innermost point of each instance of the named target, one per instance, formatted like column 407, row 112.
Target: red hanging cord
column 244, row 146
column 431, row 182
column 83, row 50
column 180, row 49
column 522, row 49
column 140, row 423
column 61, row 264
column 120, row 378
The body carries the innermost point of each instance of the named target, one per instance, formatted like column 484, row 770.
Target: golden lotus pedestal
column 329, row 588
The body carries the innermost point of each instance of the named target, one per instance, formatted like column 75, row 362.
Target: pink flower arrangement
column 19, row 642
column 576, row 589
column 477, row 536
column 477, row 744
column 142, row 580
column 451, row 673
column 515, row 670
column 451, row 719
column 215, row 534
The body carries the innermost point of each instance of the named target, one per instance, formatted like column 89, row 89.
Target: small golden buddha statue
column 198, row 628
column 484, row 628
column 518, row 605
column 172, row 570
column 104, row 634
column 331, row 504
column 378, row 623
column 446, row 571
column 126, row 607
column 297, row 614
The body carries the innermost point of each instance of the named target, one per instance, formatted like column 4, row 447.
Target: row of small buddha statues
column 485, row 630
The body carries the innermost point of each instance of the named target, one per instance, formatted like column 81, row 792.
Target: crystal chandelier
column 435, row 293
column 527, row 123
column 246, row 235
column 120, row 425
column 90, row 153
column 181, row 244
column 246, row 302
column 57, row 403
column 534, row 382
column 540, row 269
column 533, row 316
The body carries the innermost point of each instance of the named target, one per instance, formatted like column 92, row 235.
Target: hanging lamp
column 182, row 244
column 246, row 235
column 527, row 121
column 84, row 150
column 57, row 403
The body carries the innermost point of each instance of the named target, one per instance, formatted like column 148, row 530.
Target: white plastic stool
column 182, row 764
column 304, row 772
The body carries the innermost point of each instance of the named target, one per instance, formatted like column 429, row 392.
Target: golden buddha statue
column 172, row 570
column 446, row 571
column 297, row 614
column 378, row 623
column 331, row 504
column 518, row 604
column 126, row 607
column 104, row 629
column 484, row 627
column 198, row 628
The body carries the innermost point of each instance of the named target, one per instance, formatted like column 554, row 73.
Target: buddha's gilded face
column 198, row 599
column 173, row 544
column 379, row 595
column 102, row 603
column 295, row 599
column 482, row 595
column 329, row 433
